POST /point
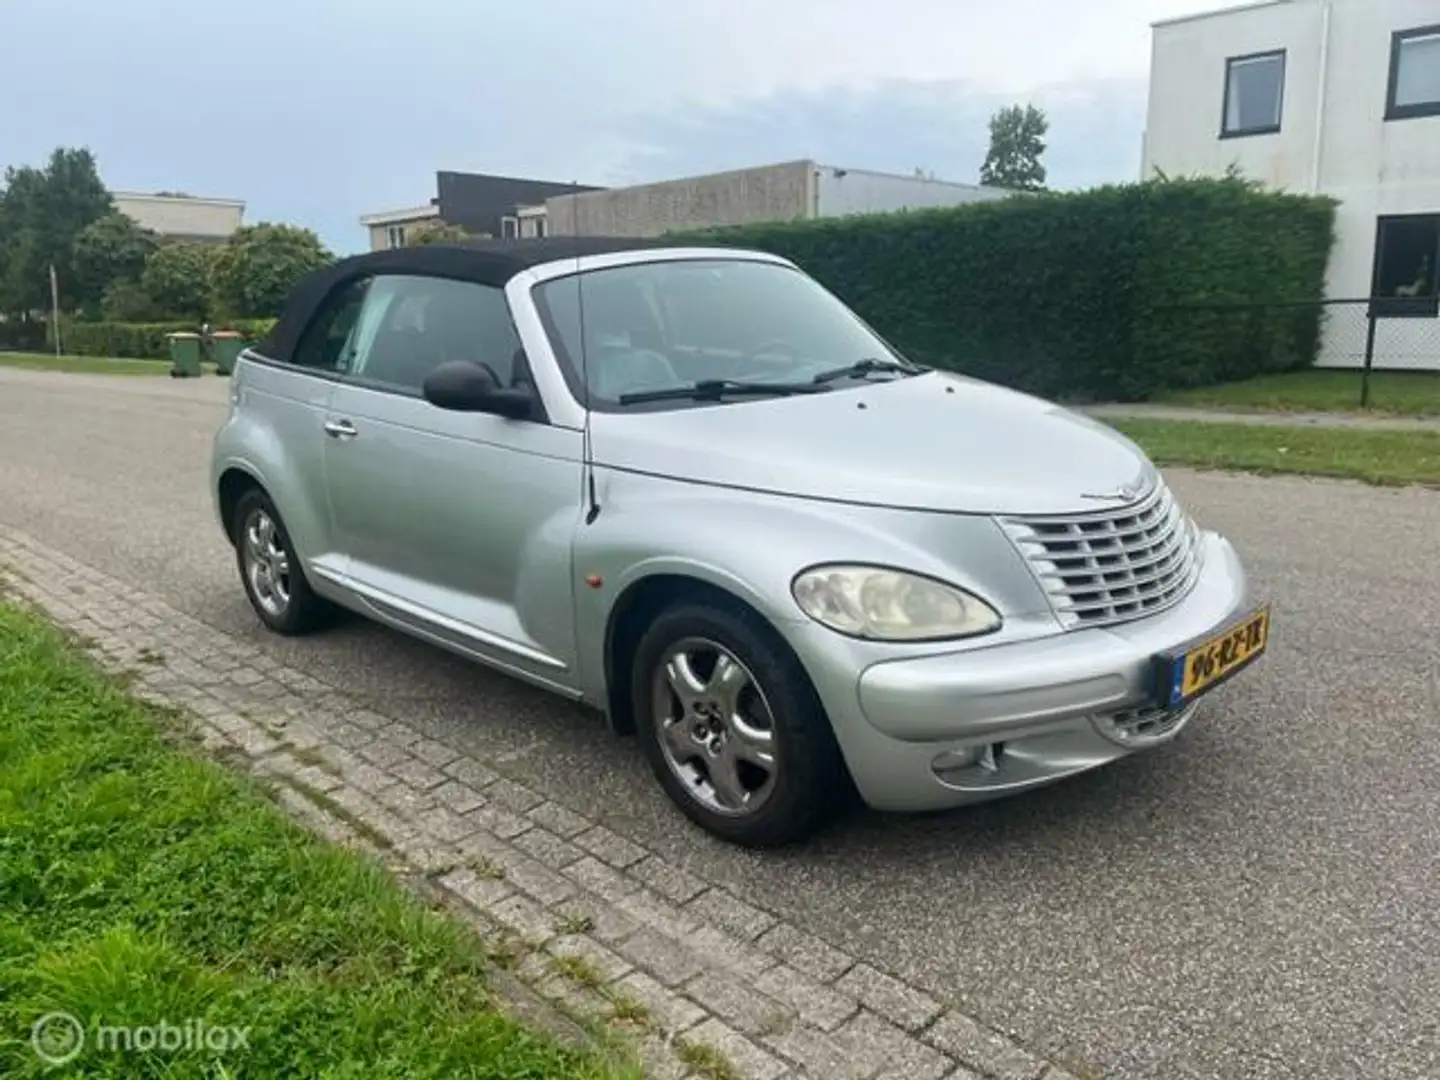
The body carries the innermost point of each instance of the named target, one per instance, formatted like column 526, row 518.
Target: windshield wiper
column 715, row 389
column 868, row 366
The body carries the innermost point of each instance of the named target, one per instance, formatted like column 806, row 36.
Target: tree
column 42, row 211
column 1017, row 143
column 439, row 233
column 178, row 279
column 109, row 250
column 258, row 266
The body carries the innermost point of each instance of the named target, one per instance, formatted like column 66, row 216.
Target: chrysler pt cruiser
column 688, row 486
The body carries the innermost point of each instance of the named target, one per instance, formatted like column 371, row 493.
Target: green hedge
column 144, row 341
column 1113, row 293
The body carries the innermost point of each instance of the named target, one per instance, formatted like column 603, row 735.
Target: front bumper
column 942, row 730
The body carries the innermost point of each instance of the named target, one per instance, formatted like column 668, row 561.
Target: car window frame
column 324, row 311
column 539, row 414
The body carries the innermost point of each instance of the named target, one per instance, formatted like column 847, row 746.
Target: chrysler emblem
column 1124, row 493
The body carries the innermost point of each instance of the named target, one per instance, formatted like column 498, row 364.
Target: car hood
column 930, row 442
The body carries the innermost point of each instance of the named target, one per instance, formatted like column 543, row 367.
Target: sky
column 317, row 111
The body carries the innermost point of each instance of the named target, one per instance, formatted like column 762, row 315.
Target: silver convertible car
column 688, row 486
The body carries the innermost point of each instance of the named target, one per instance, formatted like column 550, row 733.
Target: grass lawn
column 87, row 364
column 1410, row 393
column 141, row 885
column 1378, row 457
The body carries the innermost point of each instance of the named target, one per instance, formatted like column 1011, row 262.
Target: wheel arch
column 632, row 613
column 230, row 488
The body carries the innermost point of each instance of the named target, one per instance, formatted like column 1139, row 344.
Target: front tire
column 732, row 727
column 270, row 570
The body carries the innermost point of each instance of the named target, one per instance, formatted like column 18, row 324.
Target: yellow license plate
column 1200, row 667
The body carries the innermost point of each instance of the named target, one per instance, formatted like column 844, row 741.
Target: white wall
column 1372, row 166
column 843, row 191
column 168, row 215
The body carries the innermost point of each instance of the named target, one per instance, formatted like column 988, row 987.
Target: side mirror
column 465, row 386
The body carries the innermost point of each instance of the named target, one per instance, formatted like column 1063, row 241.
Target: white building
column 181, row 217
column 788, row 191
column 1335, row 97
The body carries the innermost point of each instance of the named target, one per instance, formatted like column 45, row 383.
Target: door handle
column 340, row 429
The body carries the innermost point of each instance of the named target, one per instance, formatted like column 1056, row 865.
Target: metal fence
column 1359, row 337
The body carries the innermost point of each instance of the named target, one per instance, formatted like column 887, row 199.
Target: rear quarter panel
column 273, row 432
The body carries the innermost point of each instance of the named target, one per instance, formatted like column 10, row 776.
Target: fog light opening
column 987, row 756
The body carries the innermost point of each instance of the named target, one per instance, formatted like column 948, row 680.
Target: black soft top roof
column 486, row 262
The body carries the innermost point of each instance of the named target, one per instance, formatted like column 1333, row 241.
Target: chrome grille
column 1113, row 565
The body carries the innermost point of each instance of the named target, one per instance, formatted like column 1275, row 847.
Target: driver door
column 456, row 526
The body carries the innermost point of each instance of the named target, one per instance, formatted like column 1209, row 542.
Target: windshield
column 668, row 325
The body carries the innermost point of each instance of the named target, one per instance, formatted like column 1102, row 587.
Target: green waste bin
column 184, row 355
column 225, row 347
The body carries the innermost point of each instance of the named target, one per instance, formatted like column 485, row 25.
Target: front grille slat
column 1113, row 565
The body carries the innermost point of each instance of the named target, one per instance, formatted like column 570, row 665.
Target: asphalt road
column 1260, row 899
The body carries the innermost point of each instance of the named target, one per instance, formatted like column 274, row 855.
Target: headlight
column 890, row 605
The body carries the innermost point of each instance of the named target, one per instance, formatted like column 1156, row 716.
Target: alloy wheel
column 267, row 563
column 716, row 730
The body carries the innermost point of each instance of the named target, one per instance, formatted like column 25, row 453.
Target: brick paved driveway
column 1255, row 901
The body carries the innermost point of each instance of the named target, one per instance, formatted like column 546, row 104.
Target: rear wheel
column 732, row 727
column 270, row 570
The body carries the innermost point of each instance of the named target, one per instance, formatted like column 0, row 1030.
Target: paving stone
column 592, row 874
column 558, row 820
column 444, row 825
column 548, row 848
column 435, row 753
column 469, row 771
column 316, row 779
column 658, row 914
column 613, row 849
column 806, row 953
column 607, row 922
column 403, row 799
column 607, row 963
column 482, row 891
column 666, row 960
column 459, row 797
column 500, row 822
column 729, row 954
column 892, row 999
column 537, row 880
column 981, row 1049
column 866, row 1048
column 428, row 858
column 750, row 1012
column 511, row 796
column 668, row 1010
column 659, row 1060
column 724, row 909
column 524, row 917
column 385, row 753
column 418, row 775
column 817, row 1005
column 669, row 881
column 751, row 1062
column 363, row 775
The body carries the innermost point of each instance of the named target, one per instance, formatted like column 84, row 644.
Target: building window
column 395, row 236
column 1414, row 74
column 1254, row 94
column 1407, row 253
column 539, row 226
column 509, row 227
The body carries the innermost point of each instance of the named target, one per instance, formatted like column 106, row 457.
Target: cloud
column 895, row 125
